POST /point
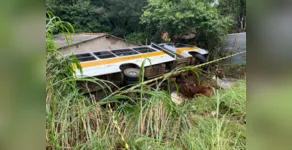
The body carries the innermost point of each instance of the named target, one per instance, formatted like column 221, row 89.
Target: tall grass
column 148, row 121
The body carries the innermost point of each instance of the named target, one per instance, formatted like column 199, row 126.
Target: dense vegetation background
column 143, row 21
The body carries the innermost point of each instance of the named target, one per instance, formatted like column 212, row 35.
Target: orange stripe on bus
column 119, row 59
column 180, row 50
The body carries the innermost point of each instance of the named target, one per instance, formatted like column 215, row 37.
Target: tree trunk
column 244, row 23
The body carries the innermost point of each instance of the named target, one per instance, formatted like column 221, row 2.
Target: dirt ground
column 191, row 86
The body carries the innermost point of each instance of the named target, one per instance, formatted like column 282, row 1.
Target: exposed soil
column 190, row 87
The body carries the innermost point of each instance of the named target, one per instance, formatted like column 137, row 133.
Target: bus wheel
column 131, row 75
column 200, row 59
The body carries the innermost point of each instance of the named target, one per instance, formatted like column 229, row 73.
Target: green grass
column 154, row 123
column 149, row 121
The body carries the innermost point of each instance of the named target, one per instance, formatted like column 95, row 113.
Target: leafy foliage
column 137, row 37
column 81, row 14
column 236, row 9
column 187, row 16
column 113, row 16
column 122, row 16
column 141, row 20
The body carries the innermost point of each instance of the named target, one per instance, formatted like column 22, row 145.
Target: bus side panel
column 154, row 71
column 182, row 62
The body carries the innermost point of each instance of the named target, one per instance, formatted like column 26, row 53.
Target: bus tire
column 200, row 59
column 131, row 74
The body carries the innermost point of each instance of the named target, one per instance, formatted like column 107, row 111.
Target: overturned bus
column 122, row 66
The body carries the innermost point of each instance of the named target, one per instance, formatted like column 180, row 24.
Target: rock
column 225, row 83
column 176, row 98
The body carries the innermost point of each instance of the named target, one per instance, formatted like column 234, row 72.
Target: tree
column 118, row 17
column 236, row 9
column 80, row 13
column 187, row 16
column 122, row 16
